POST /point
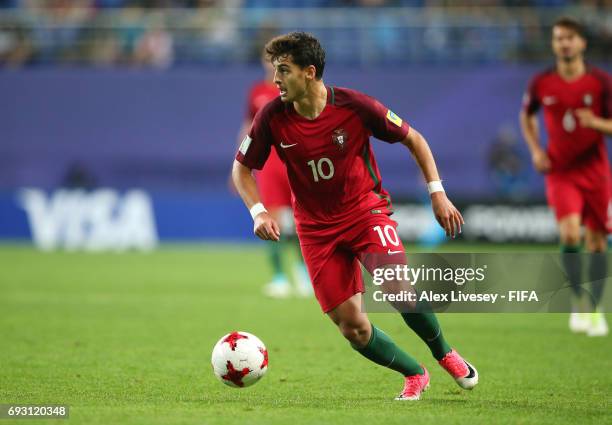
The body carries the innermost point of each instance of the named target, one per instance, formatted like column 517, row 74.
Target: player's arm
column 447, row 215
column 264, row 226
column 388, row 127
column 247, row 123
column 603, row 122
column 253, row 153
column 530, row 128
column 244, row 130
column 531, row 134
column 589, row 120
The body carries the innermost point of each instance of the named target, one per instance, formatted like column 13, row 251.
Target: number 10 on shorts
column 387, row 234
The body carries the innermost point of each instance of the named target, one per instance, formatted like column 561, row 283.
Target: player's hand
column 541, row 161
column 266, row 228
column 447, row 215
column 586, row 117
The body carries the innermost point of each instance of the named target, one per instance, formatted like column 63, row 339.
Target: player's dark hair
column 304, row 49
column 571, row 24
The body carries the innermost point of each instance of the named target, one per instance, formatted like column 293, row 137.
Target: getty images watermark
column 500, row 282
column 458, row 276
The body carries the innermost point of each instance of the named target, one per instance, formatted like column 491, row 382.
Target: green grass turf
column 126, row 339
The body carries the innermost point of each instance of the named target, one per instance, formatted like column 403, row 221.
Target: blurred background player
column 577, row 102
column 275, row 192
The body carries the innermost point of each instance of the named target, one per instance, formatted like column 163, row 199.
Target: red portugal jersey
column 330, row 163
column 570, row 146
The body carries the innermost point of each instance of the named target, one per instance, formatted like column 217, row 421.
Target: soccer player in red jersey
column 322, row 134
column 577, row 103
column 275, row 192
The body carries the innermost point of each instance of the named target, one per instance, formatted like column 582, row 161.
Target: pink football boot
column 414, row 386
column 464, row 374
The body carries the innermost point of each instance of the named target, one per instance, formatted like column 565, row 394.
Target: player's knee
column 571, row 237
column 569, row 230
column 596, row 244
column 358, row 333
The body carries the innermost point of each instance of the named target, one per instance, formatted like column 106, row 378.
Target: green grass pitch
column 126, row 339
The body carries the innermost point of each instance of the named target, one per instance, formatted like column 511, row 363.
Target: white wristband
column 257, row 209
column 435, row 186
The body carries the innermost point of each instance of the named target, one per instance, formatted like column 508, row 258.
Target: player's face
column 567, row 44
column 290, row 79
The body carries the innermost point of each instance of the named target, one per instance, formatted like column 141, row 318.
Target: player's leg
column 276, row 196
column 377, row 346
column 379, row 246
column 279, row 286
column 567, row 202
column 370, row 341
column 303, row 286
column 274, row 200
column 338, row 284
column 423, row 321
column 570, row 240
column 596, row 244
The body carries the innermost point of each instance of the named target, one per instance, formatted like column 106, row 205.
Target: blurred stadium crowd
column 165, row 33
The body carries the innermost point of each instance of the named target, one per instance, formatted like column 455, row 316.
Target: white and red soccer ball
column 239, row 359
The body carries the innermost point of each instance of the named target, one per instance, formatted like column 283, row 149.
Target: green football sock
column 274, row 252
column 382, row 350
column 572, row 264
column 598, row 269
column 426, row 326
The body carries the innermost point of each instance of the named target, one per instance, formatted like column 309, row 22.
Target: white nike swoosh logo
column 284, row 146
column 393, row 252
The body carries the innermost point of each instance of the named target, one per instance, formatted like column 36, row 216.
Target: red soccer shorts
column 333, row 263
column 273, row 183
column 569, row 195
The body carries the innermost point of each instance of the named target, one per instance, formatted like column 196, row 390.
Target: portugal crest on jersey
column 340, row 137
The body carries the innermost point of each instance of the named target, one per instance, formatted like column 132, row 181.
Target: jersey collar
column 331, row 100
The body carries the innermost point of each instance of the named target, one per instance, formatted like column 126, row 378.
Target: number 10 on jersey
column 387, row 234
column 323, row 168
